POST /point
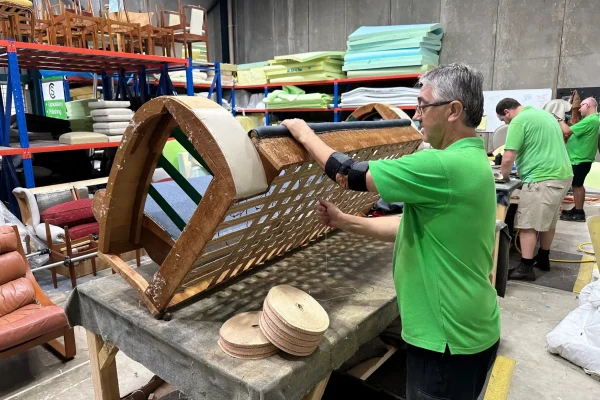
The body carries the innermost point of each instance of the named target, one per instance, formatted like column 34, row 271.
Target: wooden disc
column 252, row 354
column 278, row 340
column 298, row 309
column 288, row 331
column 243, row 331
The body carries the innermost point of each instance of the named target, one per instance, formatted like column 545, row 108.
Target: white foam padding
column 111, row 131
column 109, row 125
column 82, row 137
column 115, row 138
column 242, row 157
column 111, row 111
column 114, row 118
column 108, row 104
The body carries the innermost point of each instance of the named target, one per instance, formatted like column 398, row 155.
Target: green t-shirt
column 443, row 252
column 538, row 140
column 583, row 143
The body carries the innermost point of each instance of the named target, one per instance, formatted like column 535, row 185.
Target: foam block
column 108, row 104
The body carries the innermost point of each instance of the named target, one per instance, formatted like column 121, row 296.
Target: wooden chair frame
column 75, row 24
column 207, row 253
column 181, row 30
column 65, row 350
column 69, row 249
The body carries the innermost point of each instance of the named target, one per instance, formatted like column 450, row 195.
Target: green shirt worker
column 444, row 240
column 535, row 142
column 582, row 138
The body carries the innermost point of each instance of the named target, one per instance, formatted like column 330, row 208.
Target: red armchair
column 27, row 317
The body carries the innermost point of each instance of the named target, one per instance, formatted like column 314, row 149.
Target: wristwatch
column 558, row 118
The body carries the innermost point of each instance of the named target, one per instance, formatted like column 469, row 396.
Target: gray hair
column 458, row 82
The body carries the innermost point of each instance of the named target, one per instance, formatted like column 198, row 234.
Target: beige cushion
column 82, row 137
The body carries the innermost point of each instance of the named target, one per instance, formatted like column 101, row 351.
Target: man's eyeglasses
column 419, row 109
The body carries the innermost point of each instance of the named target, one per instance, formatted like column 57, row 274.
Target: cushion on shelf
column 69, row 214
column 114, row 118
column 108, row 104
column 111, row 131
column 83, row 230
column 82, row 137
column 111, row 111
column 115, row 138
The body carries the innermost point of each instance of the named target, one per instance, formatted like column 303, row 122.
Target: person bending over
column 444, row 240
column 535, row 142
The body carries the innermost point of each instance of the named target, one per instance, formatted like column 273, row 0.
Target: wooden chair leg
column 72, row 273
column 138, row 256
column 70, row 348
column 93, row 260
column 54, row 280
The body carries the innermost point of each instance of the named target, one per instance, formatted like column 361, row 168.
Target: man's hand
column 299, row 129
column 329, row 214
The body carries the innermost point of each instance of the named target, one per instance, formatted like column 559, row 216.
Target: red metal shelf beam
column 40, row 56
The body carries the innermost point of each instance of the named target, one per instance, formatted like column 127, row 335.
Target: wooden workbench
column 184, row 350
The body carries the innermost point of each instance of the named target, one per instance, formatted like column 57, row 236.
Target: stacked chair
column 71, row 24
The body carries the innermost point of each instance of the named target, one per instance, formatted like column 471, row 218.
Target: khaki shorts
column 539, row 204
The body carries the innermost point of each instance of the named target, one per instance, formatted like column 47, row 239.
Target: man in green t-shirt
column 535, row 141
column 582, row 139
column 445, row 239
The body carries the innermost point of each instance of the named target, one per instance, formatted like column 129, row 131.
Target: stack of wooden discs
column 241, row 337
column 293, row 321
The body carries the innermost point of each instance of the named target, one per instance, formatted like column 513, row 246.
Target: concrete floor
column 529, row 312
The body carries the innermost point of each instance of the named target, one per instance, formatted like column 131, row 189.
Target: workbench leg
column 317, row 392
column 104, row 367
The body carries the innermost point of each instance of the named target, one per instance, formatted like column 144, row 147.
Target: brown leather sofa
column 27, row 317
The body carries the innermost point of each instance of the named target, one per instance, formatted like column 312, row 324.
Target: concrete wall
column 517, row 44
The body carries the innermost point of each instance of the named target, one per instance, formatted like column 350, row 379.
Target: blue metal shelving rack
column 18, row 55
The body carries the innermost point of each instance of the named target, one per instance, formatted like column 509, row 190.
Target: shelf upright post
column 42, row 96
column 219, row 86
column 66, row 89
column 143, row 85
column 336, row 115
column 267, row 117
column 189, row 77
column 106, row 87
column 165, row 72
column 14, row 86
column 232, row 99
column 3, row 141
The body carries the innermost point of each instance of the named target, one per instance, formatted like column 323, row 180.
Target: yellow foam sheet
column 304, row 57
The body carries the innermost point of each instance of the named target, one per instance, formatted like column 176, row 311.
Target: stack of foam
column 293, row 321
column 252, row 74
column 111, row 118
column 294, row 97
column 392, row 50
column 78, row 114
column 241, row 337
column 306, row 67
column 396, row 96
column 199, row 53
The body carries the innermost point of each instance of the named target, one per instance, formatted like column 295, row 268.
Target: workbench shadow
column 335, row 270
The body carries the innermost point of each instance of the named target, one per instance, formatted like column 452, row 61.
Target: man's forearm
column 566, row 129
column 380, row 228
column 318, row 149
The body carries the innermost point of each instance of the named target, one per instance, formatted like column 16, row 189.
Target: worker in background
column 535, row 141
column 444, row 240
column 582, row 139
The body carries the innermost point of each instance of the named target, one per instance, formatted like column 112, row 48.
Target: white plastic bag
column 577, row 337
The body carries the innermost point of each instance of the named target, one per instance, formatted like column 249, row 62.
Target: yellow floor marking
column 585, row 274
column 499, row 383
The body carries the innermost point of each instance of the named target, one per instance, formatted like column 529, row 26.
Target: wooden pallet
column 265, row 188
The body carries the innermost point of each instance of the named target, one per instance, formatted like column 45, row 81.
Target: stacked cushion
column 111, row 117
